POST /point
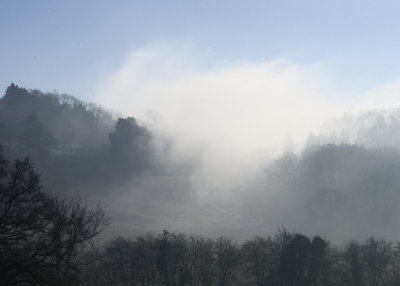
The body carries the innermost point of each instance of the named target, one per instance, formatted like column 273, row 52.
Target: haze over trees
column 282, row 259
column 352, row 187
column 64, row 135
column 370, row 129
column 343, row 191
column 81, row 148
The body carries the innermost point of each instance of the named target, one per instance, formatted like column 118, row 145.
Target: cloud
column 237, row 106
column 383, row 96
column 236, row 114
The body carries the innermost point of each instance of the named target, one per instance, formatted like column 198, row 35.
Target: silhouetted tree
column 295, row 263
column 259, row 257
column 201, row 261
column 280, row 260
column 228, row 260
column 377, row 256
column 319, row 262
column 353, row 264
column 172, row 258
column 40, row 234
column 128, row 136
column 130, row 143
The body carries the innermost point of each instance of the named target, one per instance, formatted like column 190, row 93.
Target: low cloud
column 233, row 117
column 233, row 109
column 233, row 112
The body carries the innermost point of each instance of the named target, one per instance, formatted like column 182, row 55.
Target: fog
column 255, row 106
column 242, row 121
column 234, row 148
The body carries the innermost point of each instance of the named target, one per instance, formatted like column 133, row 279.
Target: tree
column 201, row 260
column 40, row 234
column 35, row 139
column 172, row 258
column 319, row 262
column 377, row 257
column 258, row 254
column 14, row 93
column 227, row 260
column 295, row 263
column 130, row 143
column 128, row 135
column 353, row 264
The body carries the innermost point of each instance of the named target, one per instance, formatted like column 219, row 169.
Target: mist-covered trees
column 35, row 139
column 82, row 148
column 41, row 236
column 283, row 259
column 373, row 128
column 355, row 188
column 74, row 123
column 130, row 143
column 71, row 142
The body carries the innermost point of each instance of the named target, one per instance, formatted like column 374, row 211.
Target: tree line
column 66, row 137
column 284, row 259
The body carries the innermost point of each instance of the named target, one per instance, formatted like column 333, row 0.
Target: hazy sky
column 72, row 46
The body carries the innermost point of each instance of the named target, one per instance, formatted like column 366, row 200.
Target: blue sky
column 72, row 45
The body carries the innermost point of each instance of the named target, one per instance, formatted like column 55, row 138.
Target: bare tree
column 228, row 260
column 40, row 235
